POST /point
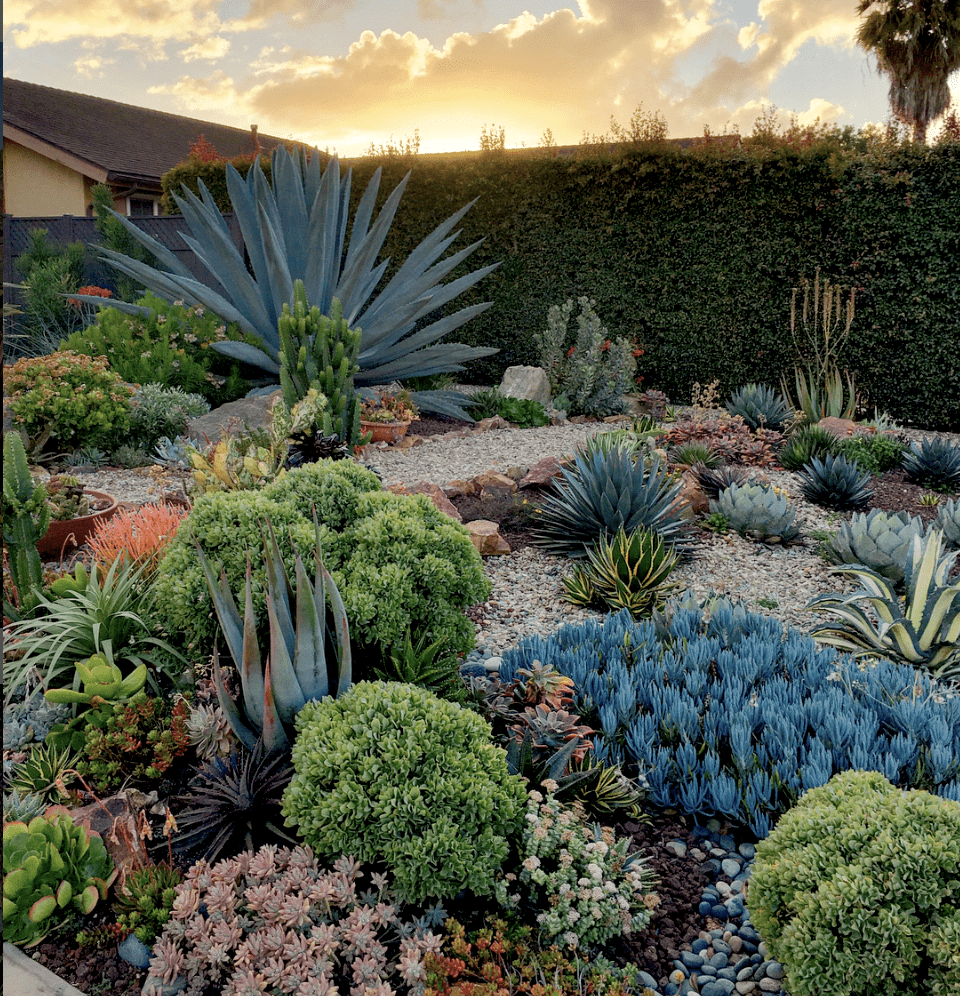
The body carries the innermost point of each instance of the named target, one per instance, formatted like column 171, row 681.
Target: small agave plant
column 757, row 511
column 880, row 540
column 305, row 651
column 922, row 629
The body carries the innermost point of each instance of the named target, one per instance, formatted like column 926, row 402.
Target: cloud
column 211, row 48
column 34, row 23
column 91, row 65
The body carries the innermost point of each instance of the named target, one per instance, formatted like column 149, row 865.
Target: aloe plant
column 923, row 630
column 297, row 669
column 296, row 229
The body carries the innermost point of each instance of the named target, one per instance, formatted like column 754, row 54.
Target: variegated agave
column 923, row 630
column 297, row 229
column 307, row 660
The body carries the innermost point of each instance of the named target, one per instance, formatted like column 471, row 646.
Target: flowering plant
column 275, row 922
column 576, row 881
column 386, row 407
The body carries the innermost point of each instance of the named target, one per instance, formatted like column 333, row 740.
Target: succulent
column 22, row 806
column 695, row 452
column 86, row 456
column 210, row 732
column 948, row 522
column 807, row 443
column 30, row 721
column 45, row 771
column 606, row 789
column 130, row 457
column 294, row 228
column 67, row 497
column 50, row 865
column 760, row 407
column 232, row 803
column 627, row 571
column 922, row 629
column 933, row 463
column 713, row 481
column 426, row 665
column 878, row 540
column 175, row 453
column 876, row 451
column 103, row 684
column 639, row 437
column 237, row 463
column 26, row 517
column 603, row 493
column 144, row 901
column 311, row 447
column 757, row 511
column 836, row 482
column 308, row 659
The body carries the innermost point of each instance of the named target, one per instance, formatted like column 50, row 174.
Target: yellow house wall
column 37, row 187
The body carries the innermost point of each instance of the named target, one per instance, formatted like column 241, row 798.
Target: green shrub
column 877, row 452
column 77, row 400
column 226, row 524
column 170, row 346
column 160, row 411
column 860, row 866
column 393, row 774
column 519, row 411
column 400, row 564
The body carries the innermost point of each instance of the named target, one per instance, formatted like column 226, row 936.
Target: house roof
column 126, row 143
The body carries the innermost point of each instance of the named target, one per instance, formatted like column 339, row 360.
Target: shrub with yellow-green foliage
column 857, row 870
column 391, row 773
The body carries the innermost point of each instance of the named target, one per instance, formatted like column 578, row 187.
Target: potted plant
column 387, row 416
column 74, row 511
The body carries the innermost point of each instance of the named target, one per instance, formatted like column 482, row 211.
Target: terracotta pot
column 384, row 432
column 67, row 534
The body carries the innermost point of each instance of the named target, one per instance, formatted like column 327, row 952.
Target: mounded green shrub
column 400, row 564
column 857, row 890
column 390, row 773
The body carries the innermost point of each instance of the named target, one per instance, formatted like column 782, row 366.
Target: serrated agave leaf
column 278, row 584
column 341, row 631
column 243, row 732
column 161, row 253
column 250, row 666
column 274, row 735
column 434, row 359
column 279, row 279
column 309, row 658
column 451, row 403
column 246, row 353
column 292, row 210
column 287, row 694
column 226, row 608
column 942, row 614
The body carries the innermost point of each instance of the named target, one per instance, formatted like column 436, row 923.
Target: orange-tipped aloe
column 309, row 655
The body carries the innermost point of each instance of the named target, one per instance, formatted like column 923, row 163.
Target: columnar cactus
column 26, row 516
column 321, row 351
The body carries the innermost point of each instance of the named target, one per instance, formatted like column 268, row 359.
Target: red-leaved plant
column 139, row 536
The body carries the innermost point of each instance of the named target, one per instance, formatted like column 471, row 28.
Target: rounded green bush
column 857, row 890
column 226, row 524
column 409, row 566
column 333, row 486
column 390, row 773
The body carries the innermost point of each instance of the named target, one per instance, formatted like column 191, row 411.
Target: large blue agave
column 296, row 229
column 734, row 717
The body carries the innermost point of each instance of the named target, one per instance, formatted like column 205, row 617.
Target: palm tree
column 917, row 44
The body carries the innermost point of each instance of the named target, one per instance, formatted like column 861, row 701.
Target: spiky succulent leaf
column 923, row 629
column 948, row 522
column 604, row 492
column 878, row 540
column 713, row 481
column 835, row 482
column 807, row 443
column 296, row 229
column 760, row 407
column 933, row 463
column 758, row 511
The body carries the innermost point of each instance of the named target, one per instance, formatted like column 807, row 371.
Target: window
column 139, row 207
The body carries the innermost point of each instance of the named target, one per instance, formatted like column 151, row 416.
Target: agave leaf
column 278, row 587
column 341, row 632
column 225, row 606
column 243, row 732
column 274, row 736
column 309, row 659
column 286, row 692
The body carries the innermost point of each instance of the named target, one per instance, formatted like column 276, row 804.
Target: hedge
column 693, row 255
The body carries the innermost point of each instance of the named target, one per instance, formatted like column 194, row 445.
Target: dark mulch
column 436, row 425
column 516, row 513
column 892, row 492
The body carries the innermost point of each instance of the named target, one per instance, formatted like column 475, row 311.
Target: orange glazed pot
column 67, row 534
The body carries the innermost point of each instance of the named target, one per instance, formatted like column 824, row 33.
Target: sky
column 347, row 74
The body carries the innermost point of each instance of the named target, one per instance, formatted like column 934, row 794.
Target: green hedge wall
column 693, row 255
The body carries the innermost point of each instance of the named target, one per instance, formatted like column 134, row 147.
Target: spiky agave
column 761, row 407
column 933, row 463
column 836, row 482
column 880, row 541
column 294, row 229
column 922, row 630
column 603, row 493
column 713, row 481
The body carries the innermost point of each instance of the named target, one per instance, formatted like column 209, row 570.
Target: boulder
column 844, row 427
column 252, row 411
column 493, row 483
column 435, row 494
column 116, row 821
column 486, row 538
column 494, row 422
column 692, row 496
column 457, row 488
column 527, row 383
column 542, row 472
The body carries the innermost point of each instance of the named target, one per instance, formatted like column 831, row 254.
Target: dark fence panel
column 63, row 230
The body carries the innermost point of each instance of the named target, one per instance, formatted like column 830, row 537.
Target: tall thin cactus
column 26, row 516
column 320, row 351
